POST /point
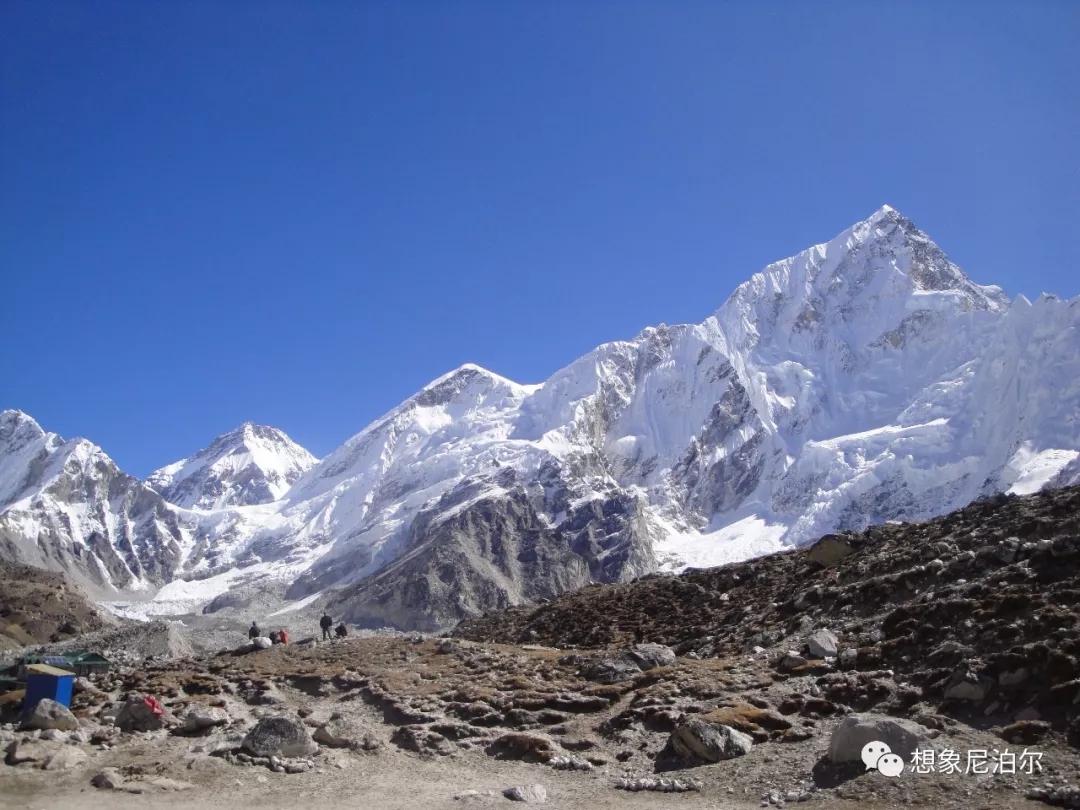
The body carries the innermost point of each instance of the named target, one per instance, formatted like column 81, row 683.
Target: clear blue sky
column 299, row 213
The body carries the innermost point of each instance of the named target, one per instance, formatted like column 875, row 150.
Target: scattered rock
column 107, row 779
column 650, row 656
column 48, row 714
column 660, row 785
column 829, row 550
column 200, row 718
column 65, row 759
column 854, row 732
column 613, row 670
column 340, row 733
column 519, row 745
column 1025, row 732
column 28, row 751
column 968, row 686
column 791, row 660
column 822, row 644
column 138, row 715
column 710, row 742
column 530, row 794
column 279, row 736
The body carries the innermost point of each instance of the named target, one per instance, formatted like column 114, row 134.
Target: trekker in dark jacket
column 254, row 631
column 326, row 623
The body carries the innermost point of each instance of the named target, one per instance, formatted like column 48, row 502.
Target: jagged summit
column 252, row 464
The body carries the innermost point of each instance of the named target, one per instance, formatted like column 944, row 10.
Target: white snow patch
column 1030, row 471
column 739, row 541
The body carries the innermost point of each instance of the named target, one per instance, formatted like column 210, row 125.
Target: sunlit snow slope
column 865, row 379
column 253, row 464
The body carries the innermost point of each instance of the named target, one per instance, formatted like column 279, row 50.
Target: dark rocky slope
column 39, row 606
column 975, row 612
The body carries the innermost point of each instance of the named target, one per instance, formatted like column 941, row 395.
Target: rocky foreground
column 751, row 685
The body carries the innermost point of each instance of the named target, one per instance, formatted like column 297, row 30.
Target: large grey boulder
column 614, row 670
column 262, row 643
column 649, row 656
column 281, row 737
column 136, row 715
column 854, row 732
column 710, row 742
column 822, row 644
column 203, row 717
column 50, row 714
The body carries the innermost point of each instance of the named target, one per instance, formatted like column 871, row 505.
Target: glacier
column 865, row 379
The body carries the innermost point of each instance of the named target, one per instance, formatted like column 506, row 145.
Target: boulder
column 614, row 670
column 822, row 644
column 279, row 736
column 48, row 714
column 340, row 733
column 649, row 656
column 854, row 732
column 829, row 550
column 199, row 718
column 138, row 715
column 710, row 742
column 107, row 779
column 968, row 686
column 25, row 751
column 262, row 643
column 65, row 759
column 51, row 756
column 54, row 735
column 791, row 660
column 530, row 794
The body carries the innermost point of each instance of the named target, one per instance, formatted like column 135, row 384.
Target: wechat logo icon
column 878, row 756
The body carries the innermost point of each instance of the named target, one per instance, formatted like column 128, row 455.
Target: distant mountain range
column 866, row 379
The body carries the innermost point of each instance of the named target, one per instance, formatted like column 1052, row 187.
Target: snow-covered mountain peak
column 252, row 464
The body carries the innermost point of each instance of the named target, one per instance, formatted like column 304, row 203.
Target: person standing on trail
column 254, row 631
column 326, row 623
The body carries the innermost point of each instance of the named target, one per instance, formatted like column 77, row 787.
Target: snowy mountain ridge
column 251, row 465
column 864, row 379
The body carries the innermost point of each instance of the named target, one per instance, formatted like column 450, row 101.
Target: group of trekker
column 276, row 636
column 326, row 623
column 329, row 632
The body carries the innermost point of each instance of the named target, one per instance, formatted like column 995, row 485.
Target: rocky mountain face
column 865, row 380
column 64, row 505
column 253, row 464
